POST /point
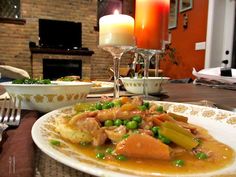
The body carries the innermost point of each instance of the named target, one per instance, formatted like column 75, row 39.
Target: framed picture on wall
column 173, row 14
column 185, row 5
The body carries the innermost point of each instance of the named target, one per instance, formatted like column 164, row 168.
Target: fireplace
column 56, row 68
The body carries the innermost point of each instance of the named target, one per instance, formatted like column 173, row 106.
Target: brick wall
column 14, row 39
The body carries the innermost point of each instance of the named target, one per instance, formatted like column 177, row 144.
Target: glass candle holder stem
column 157, row 59
column 116, row 64
column 116, row 52
column 147, row 54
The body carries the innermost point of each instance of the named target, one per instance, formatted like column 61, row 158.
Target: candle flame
column 116, row 12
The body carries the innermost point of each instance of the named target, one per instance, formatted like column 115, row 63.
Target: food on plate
column 31, row 81
column 135, row 134
column 69, row 78
column 77, row 78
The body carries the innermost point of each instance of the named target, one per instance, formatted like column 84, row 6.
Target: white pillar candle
column 116, row 30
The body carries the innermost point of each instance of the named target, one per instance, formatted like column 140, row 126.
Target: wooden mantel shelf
column 84, row 52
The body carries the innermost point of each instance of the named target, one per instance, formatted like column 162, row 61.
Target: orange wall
column 184, row 41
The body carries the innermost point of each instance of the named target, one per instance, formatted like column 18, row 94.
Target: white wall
column 220, row 31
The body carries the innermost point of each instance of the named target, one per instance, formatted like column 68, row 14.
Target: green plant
column 170, row 52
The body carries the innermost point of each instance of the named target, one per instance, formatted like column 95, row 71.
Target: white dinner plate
column 219, row 123
column 104, row 87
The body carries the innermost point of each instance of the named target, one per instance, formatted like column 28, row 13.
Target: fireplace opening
column 56, row 68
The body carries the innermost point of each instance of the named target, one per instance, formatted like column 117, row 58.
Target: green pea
column 201, row 156
column 178, row 163
column 164, row 139
column 118, row 122
column 160, row 109
column 121, row 157
column 100, row 155
column 137, row 118
column 98, row 106
column 107, row 105
column 146, row 104
column 55, row 142
column 125, row 122
column 108, row 123
column 132, row 125
column 117, row 103
column 155, row 130
column 111, row 104
column 125, row 136
column 142, row 108
column 109, row 150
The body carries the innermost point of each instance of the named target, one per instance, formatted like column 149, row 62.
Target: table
column 48, row 167
column 193, row 93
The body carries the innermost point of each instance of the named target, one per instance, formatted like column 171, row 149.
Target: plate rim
column 54, row 84
column 97, row 171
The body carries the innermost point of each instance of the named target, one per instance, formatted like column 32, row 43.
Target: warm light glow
column 151, row 23
column 116, row 12
column 116, row 29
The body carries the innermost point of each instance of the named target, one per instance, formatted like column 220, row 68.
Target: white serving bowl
column 135, row 85
column 48, row 97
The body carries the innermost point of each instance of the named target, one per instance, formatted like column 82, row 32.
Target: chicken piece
column 115, row 134
column 74, row 119
column 91, row 126
column 177, row 151
column 83, row 129
column 143, row 146
column 153, row 108
column 187, row 126
column 116, row 113
column 138, row 101
column 147, row 132
column 106, row 98
column 147, row 122
column 72, row 133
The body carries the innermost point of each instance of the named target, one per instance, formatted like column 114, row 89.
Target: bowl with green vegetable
column 44, row 95
column 135, row 84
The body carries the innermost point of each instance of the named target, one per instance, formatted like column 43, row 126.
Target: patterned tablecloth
column 48, row 167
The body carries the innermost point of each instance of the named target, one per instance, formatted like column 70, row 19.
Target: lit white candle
column 116, row 30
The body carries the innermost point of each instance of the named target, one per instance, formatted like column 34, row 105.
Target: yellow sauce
column 220, row 156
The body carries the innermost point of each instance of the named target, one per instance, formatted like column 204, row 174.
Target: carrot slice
column 165, row 117
column 143, row 146
column 157, row 121
column 178, row 117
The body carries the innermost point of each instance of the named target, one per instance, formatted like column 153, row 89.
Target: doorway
column 220, row 33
